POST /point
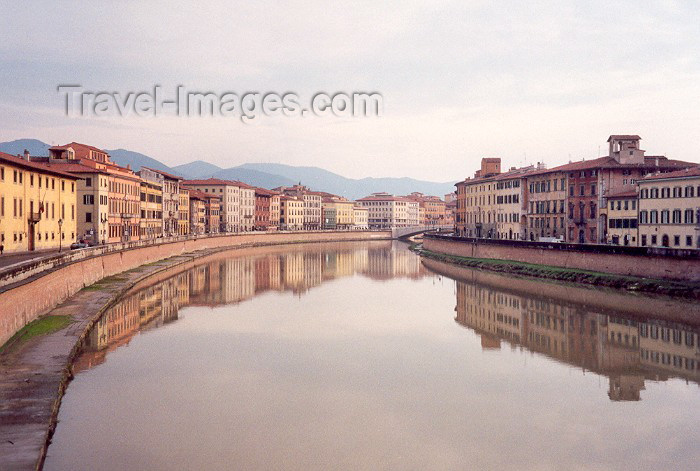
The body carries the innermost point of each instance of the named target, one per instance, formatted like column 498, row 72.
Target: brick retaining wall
column 635, row 261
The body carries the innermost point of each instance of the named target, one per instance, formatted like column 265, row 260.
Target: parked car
column 80, row 244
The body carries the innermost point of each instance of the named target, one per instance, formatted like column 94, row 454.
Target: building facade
column 37, row 205
column 669, row 209
column 183, row 208
column 291, row 213
column 387, row 211
column 229, row 194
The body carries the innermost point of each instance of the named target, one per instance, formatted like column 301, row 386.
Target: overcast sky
column 525, row 81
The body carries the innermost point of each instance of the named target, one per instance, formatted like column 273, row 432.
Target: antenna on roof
column 598, row 151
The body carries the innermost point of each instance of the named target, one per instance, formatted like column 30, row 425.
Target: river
column 360, row 356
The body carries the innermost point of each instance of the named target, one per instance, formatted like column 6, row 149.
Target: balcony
column 34, row 217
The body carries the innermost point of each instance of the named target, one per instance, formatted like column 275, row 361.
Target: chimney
column 26, row 155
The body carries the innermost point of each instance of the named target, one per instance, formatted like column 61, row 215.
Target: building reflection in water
column 235, row 278
column 627, row 351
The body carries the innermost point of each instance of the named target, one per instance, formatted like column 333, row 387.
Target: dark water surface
column 359, row 356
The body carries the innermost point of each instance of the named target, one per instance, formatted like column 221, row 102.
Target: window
column 676, row 216
column 676, row 240
column 593, row 190
column 644, row 240
column 688, row 241
column 88, row 217
column 653, row 217
column 653, row 239
column 582, row 190
column 688, row 216
column 664, row 216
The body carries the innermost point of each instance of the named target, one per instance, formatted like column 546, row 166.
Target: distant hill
column 265, row 175
column 34, row 146
column 136, row 160
column 254, row 177
column 196, row 169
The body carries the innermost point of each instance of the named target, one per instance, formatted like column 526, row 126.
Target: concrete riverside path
column 35, row 373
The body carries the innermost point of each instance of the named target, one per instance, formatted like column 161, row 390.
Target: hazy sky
column 536, row 81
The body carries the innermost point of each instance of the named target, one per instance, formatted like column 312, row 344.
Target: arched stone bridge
column 403, row 232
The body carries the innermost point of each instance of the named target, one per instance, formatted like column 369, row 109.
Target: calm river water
column 360, row 356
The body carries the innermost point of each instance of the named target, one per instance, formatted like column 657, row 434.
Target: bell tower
column 625, row 149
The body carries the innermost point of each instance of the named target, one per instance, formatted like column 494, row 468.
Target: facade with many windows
column 37, row 205
column 545, row 204
column 621, row 214
column 669, row 206
column 387, row 211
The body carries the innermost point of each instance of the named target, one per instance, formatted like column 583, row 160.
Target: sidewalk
column 7, row 259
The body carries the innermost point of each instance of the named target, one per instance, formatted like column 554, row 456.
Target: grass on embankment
column 42, row 326
column 609, row 280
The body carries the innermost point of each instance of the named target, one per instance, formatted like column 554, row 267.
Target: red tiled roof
column 36, row 166
column 624, row 136
column 623, row 194
column 78, row 168
column 687, row 172
column 78, row 147
column 241, row 184
column 200, row 195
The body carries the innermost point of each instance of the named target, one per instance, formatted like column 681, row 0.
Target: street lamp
column 60, row 235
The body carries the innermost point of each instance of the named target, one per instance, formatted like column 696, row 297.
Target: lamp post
column 60, row 235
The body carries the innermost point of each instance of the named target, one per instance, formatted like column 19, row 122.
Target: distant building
column 171, row 198
column 431, row 209
column 263, row 199
column 387, row 211
column 360, row 218
column 312, row 204
column 291, row 213
column 151, row 223
column 337, row 213
column 229, row 194
column 183, row 208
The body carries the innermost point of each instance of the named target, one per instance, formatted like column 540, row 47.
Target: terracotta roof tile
column 36, row 166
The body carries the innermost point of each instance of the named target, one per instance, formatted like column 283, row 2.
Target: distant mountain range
column 265, row 175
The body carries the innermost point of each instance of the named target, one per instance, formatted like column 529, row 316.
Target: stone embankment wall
column 31, row 289
column 670, row 264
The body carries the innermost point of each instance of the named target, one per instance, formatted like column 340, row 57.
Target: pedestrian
column 2, row 249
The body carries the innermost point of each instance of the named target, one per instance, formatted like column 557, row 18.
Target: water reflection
column 625, row 350
column 234, row 278
column 362, row 356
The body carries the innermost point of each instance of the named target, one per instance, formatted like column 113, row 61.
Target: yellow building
column 669, row 206
column 274, row 212
column 183, row 221
column 291, row 213
column 360, row 218
column 37, row 205
column 621, row 214
column 510, row 202
column 337, row 213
